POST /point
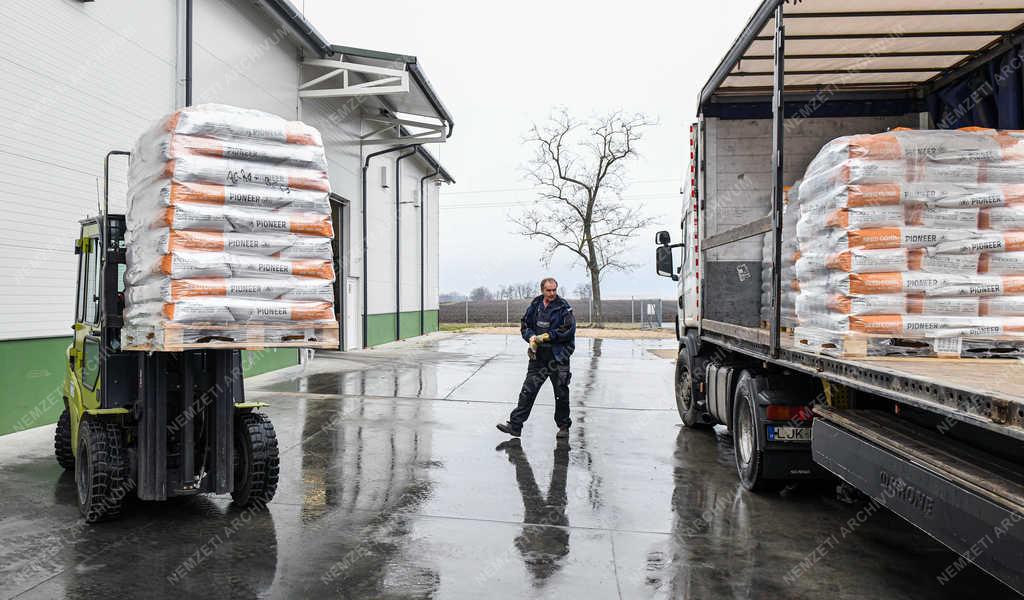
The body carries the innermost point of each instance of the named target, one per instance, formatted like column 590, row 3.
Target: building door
column 351, row 321
column 339, row 220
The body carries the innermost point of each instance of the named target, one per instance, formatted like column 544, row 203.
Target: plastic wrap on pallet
column 229, row 234
column 912, row 235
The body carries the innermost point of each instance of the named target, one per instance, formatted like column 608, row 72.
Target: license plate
column 789, row 434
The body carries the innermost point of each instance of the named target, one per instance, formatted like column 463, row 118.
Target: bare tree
column 480, row 294
column 583, row 291
column 578, row 169
column 526, row 290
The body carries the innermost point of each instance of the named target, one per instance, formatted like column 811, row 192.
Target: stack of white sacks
column 914, row 234
column 229, row 225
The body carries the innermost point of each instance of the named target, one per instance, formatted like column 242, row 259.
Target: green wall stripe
column 32, row 378
column 31, row 382
column 381, row 328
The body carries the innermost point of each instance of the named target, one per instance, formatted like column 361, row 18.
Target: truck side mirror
column 663, row 262
column 663, row 238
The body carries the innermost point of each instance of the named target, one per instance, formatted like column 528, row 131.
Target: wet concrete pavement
column 395, row 484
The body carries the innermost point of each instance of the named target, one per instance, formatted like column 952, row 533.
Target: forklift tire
column 689, row 376
column 62, row 442
column 256, row 460
column 101, row 471
column 749, row 458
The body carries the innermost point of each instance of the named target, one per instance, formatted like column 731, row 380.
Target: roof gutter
column 757, row 21
column 288, row 16
column 428, row 91
column 427, row 156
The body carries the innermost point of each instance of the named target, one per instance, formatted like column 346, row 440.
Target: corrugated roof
column 865, row 45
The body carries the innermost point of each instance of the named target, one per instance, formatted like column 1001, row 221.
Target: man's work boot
column 509, row 429
column 563, row 432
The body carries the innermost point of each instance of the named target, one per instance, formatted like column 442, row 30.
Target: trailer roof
column 906, row 47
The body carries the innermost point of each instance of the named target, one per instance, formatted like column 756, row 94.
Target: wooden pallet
column 175, row 337
column 859, row 345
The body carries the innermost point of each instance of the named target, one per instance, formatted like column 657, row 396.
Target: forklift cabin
column 151, row 424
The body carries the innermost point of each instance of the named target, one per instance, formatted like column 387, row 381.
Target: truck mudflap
column 982, row 526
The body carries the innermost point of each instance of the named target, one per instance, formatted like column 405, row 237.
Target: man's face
column 550, row 290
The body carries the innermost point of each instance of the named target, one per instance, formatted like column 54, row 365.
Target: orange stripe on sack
column 168, row 311
column 321, row 269
column 877, row 238
column 841, row 261
column 840, row 304
column 172, row 121
column 876, row 283
column 914, row 214
column 197, row 192
column 984, row 263
column 879, row 194
column 204, row 241
column 984, row 219
column 186, row 145
column 318, row 311
column 984, row 307
column 312, row 225
column 168, row 168
column 1013, row 284
column 190, row 288
column 1014, row 241
column 885, row 324
column 915, row 259
column 319, row 184
column 839, row 218
column 166, row 265
column 880, row 146
column 296, row 133
column 915, row 304
column 1013, row 193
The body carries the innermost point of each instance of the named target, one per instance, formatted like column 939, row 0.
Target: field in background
column 502, row 312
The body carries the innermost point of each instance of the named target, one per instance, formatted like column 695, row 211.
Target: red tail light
column 778, row 412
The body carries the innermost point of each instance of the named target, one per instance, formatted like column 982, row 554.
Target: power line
column 530, row 189
column 515, row 203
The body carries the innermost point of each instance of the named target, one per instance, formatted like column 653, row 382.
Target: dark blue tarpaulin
column 989, row 96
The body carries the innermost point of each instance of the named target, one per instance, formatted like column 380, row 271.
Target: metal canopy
column 908, row 46
column 413, row 112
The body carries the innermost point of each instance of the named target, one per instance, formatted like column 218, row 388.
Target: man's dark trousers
column 540, row 370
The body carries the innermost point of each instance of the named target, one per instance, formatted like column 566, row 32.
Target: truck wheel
column 62, row 442
column 688, row 390
column 745, row 427
column 101, row 471
column 256, row 460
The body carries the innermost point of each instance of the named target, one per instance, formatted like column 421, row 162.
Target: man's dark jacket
column 557, row 320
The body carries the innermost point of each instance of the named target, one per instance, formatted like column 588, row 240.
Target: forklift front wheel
column 62, row 442
column 101, row 471
column 256, row 460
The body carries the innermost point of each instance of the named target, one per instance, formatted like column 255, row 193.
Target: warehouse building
column 122, row 65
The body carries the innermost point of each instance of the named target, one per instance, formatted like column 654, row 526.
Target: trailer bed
column 986, row 392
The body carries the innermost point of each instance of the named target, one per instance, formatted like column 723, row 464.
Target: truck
column 935, row 439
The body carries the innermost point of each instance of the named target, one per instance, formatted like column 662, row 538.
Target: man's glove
column 543, row 338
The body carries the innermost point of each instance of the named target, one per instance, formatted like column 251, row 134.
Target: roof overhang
column 413, row 110
column 900, row 48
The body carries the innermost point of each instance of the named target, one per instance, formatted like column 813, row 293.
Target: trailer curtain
column 989, row 96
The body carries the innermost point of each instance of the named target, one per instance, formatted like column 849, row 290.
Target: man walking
column 550, row 328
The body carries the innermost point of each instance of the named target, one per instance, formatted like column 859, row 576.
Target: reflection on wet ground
column 392, row 486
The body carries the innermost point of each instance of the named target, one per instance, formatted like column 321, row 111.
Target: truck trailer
column 932, row 433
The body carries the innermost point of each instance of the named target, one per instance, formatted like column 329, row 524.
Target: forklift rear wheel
column 256, row 460
column 62, row 442
column 101, row 471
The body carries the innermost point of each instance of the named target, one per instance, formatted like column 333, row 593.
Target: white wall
column 243, row 58
column 80, row 79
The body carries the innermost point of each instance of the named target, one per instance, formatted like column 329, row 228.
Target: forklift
column 153, row 425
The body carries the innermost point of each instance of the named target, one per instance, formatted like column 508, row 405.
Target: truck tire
column 62, row 442
column 101, row 471
column 689, row 375
column 745, row 427
column 257, row 465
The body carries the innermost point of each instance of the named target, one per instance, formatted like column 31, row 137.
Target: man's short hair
column 546, row 281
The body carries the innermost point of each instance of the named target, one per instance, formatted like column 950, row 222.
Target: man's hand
column 543, row 338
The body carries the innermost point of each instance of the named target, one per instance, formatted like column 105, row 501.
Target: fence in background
column 643, row 312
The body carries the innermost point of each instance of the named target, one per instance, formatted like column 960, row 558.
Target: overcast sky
column 500, row 67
